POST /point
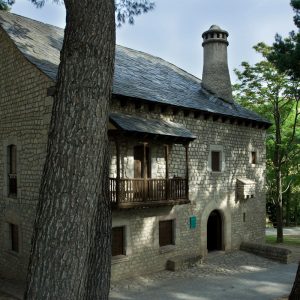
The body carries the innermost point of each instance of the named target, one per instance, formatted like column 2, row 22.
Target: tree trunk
column 296, row 212
column 279, row 217
column 71, row 247
column 277, row 167
column 295, row 293
column 288, row 206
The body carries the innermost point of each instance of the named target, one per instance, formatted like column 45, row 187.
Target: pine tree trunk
column 277, row 167
column 279, row 216
column 288, row 206
column 296, row 212
column 71, row 246
column 295, row 293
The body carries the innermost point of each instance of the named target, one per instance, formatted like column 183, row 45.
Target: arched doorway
column 214, row 231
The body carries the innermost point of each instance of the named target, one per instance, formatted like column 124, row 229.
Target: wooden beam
column 145, row 172
column 118, row 170
column 187, row 170
column 167, row 170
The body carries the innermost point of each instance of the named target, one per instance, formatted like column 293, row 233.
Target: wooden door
column 141, row 161
column 141, row 168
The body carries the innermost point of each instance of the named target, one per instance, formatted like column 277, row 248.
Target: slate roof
column 135, row 124
column 137, row 74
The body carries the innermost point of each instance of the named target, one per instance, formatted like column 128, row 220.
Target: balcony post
column 187, row 170
column 118, row 171
column 145, row 172
column 167, row 170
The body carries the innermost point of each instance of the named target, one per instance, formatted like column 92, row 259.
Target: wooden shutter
column 166, row 233
column 216, row 161
column 117, row 245
column 14, row 235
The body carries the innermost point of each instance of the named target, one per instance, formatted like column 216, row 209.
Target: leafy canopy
column 6, row 4
column 286, row 51
column 126, row 10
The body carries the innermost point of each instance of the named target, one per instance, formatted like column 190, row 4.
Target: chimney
column 215, row 76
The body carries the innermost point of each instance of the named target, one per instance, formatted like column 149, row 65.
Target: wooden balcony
column 139, row 193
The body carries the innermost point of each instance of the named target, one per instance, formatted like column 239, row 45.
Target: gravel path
column 236, row 275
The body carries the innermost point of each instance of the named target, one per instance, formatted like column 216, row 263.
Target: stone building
column 187, row 162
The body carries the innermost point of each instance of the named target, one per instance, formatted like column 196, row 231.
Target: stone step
column 181, row 262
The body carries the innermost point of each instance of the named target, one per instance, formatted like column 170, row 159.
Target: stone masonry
column 25, row 112
column 208, row 191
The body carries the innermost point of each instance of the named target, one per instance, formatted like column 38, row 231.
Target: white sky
column 173, row 29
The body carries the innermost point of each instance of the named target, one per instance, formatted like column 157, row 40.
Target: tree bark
column 295, row 293
column 288, row 206
column 71, row 246
column 278, row 167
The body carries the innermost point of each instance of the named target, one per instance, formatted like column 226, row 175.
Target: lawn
column 292, row 240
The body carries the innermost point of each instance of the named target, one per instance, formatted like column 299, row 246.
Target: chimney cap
column 215, row 29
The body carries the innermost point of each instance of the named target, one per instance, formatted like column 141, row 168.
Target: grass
column 292, row 240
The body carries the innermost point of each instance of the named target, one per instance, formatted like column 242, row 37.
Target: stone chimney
column 215, row 76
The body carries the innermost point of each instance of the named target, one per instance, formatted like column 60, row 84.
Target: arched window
column 12, row 170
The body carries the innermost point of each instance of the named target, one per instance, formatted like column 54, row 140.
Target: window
column 166, row 233
column 117, row 244
column 216, row 161
column 12, row 170
column 253, row 158
column 14, row 237
column 244, row 217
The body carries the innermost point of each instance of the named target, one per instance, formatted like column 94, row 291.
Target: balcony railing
column 126, row 193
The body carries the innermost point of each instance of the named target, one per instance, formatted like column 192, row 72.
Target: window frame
column 12, row 170
column 14, row 237
column 173, row 242
column 220, row 149
column 218, row 163
column 255, row 157
column 123, row 252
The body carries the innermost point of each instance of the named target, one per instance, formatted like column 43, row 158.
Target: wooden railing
column 135, row 192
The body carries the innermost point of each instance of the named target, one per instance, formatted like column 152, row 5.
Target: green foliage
column 286, row 51
column 275, row 95
column 6, row 4
column 296, row 7
column 126, row 10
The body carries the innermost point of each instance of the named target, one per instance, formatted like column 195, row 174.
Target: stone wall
column 25, row 112
column 242, row 220
column 268, row 251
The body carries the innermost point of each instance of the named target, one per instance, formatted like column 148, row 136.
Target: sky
column 174, row 28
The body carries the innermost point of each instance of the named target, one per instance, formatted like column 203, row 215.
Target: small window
column 244, row 217
column 166, row 233
column 117, row 244
column 12, row 170
column 216, row 161
column 14, row 237
column 253, row 158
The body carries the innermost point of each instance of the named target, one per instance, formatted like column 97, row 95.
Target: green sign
column 193, row 222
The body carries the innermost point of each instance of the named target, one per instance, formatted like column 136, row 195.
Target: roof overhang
column 162, row 130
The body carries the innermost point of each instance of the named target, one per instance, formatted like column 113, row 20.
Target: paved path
column 231, row 276
column 235, row 276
